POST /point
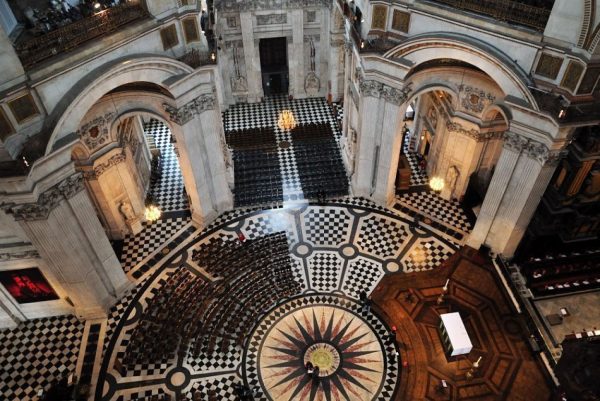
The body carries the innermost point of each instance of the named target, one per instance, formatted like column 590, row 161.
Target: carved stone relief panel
column 572, row 75
column 379, row 19
column 310, row 16
column 400, row 21
column 95, row 133
column 548, row 66
column 474, row 99
column 271, row 19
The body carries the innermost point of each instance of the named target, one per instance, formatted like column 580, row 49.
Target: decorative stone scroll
column 95, row 133
column 251, row 5
column 197, row 106
column 47, row 201
column 271, row 19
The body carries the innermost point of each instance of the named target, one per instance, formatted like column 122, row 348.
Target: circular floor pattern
column 331, row 333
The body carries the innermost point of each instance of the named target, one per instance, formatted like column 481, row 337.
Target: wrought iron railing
column 68, row 37
column 515, row 12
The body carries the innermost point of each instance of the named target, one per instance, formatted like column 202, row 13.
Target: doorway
column 274, row 65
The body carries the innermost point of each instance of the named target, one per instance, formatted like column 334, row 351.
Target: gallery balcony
column 533, row 14
column 66, row 38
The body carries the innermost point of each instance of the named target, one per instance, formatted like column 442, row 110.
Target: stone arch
column 507, row 74
column 78, row 101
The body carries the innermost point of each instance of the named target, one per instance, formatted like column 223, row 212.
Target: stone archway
column 520, row 177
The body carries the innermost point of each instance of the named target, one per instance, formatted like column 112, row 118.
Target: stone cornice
column 252, row 5
column 47, row 201
column 197, row 106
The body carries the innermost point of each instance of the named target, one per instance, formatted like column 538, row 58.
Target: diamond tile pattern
column 33, row 354
column 381, row 236
column 327, row 226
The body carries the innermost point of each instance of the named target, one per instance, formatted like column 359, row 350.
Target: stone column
column 503, row 172
column 62, row 225
column 202, row 139
column 532, row 175
column 379, row 140
column 520, row 178
column 251, row 58
column 296, row 55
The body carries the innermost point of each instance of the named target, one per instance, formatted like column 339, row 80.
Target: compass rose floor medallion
column 332, row 333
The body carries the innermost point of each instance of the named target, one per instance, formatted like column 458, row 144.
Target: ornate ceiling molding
column 47, row 201
column 475, row 99
column 196, row 107
column 253, row 5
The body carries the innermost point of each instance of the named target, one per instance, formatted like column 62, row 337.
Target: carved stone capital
column 47, row 201
column 555, row 156
column 514, row 142
column 197, row 106
column 394, row 95
column 369, row 88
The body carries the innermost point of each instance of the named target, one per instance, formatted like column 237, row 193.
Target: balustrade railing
column 68, row 37
column 516, row 12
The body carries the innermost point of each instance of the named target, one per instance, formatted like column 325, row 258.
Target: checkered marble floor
column 34, row 354
column 433, row 206
column 342, row 247
column 418, row 177
column 169, row 191
column 261, row 115
column 137, row 248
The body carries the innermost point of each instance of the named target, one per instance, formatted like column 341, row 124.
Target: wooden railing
column 505, row 10
column 68, row 37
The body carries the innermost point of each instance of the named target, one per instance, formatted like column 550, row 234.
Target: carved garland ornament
column 197, row 106
column 102, row 168
column 250, row 5
column 452, row 126
column 47, row 201
column 33, row 254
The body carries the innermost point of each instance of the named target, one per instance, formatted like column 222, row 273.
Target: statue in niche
column 126, row 210
column 239, row 84
column 312, row 84
column 349, row 147
column 451, row 180
column 433, row 117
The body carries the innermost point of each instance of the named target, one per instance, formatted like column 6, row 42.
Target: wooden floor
column 509, row 370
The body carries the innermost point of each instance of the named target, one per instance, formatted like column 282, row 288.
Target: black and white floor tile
column 169, row 191
column 37, row 353
column 418, row 177
column 264, row 115
column 431, row 205
column 341, row 247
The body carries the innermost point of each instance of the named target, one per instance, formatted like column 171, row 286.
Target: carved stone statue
column 126, row 210
column 312, row 84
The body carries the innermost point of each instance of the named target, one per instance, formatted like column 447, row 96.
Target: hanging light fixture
column 436, row 183
column 152, row 213
column 286, row 120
